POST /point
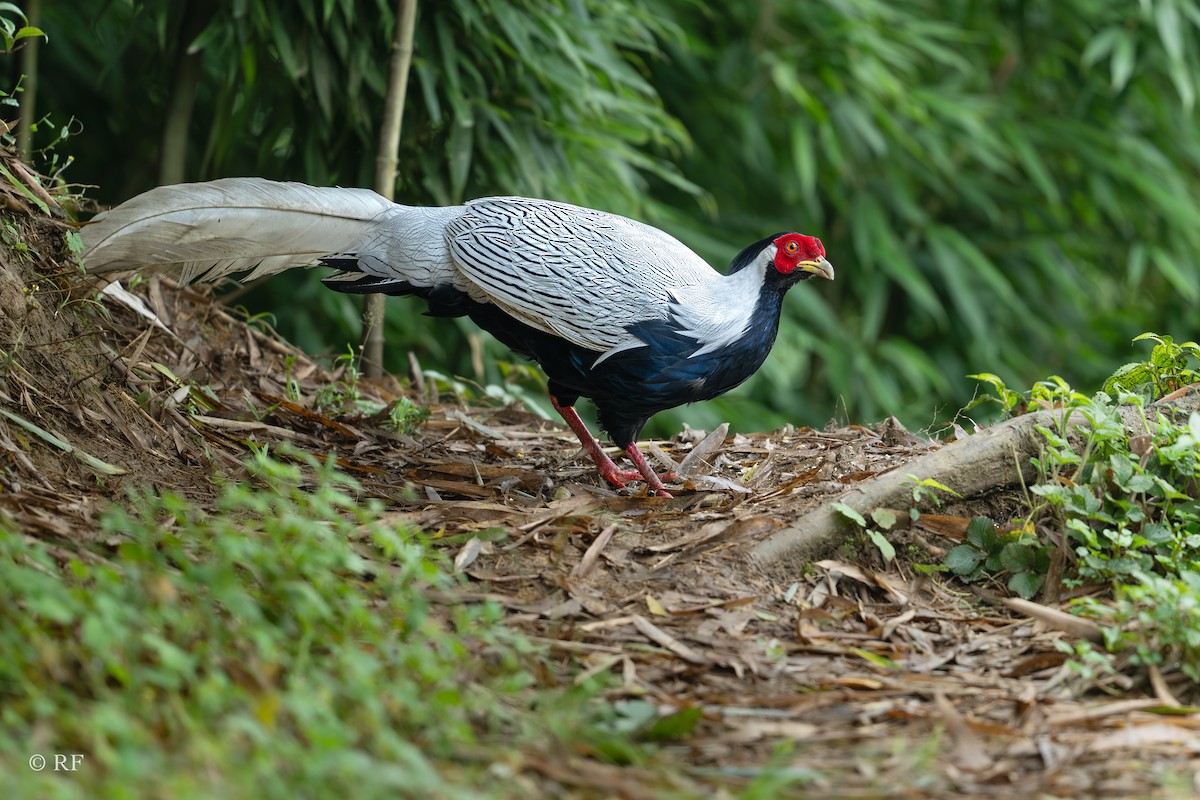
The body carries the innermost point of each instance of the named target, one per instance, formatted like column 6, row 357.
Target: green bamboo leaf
column 1170, row 31
column 322, row 78
column 20, row 186
column 1123, row 58
column 1181, row 75
column 1100, row 45
column 12, row 8
column 1184, row 280
column 61, row 444
column 1023, row 148
column 956, row 281
column 460, row 147
column 876, row 659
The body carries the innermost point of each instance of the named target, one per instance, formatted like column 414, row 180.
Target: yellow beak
column 820, row 267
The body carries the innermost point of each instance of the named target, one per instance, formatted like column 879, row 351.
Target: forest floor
column 888, row 679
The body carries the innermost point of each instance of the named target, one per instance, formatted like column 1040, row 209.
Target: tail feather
column 204, row 231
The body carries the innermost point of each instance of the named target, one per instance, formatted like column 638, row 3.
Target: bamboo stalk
column 386, row 161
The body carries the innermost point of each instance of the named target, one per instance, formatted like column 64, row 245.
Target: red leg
column 608, row 470
column 648, row 474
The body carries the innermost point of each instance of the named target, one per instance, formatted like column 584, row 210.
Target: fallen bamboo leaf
column 478, row 427
column 664, row 639
column 859, row 682
column 844, row 568
column 969, row 752
column 1100, row 712
column 243, row 426
column 605, row 624
column 594, row 778
column 866, row 577
column 130, row 300
column 66, row 447
column 943, row 525
column 753, row 730
column 889, row 627
column 1057, row 620
column 308, row 414
column 1134, row 736
column 1036, row 663
column 663, row 459
column 1161, row 690
column 718, row 483
column 21, row 187
column 593, row 552
column 698, row 457
column 733, row 602
column 468, row 553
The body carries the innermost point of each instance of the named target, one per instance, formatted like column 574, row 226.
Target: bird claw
column 619, row 477
column 651, row 478
column 604, row 465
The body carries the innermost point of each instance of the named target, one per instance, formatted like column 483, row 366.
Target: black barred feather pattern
column 613, row 309
column 577, row 273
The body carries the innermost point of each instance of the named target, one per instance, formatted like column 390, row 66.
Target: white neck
column 720, row 311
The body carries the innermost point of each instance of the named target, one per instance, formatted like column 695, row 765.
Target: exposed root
column 994, row 459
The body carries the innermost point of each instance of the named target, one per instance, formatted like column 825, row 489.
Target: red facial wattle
column 794, row 250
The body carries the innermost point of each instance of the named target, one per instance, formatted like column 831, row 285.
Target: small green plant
column 1127, row 512
column 291, row 385
column 1010, row 401
column 53, row 162
column 73, row 245
column 1170, row 366
column 1124, row 511
column 15, row 28
column 1156, row 617
column 1127, row 509
column 926, row 489
column 12, row 237
column 405, row 416
column 884, row 518
column 988, row 551
column 342, row 396
column 1085, row 660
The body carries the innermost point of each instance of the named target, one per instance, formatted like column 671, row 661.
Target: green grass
column 285, row 645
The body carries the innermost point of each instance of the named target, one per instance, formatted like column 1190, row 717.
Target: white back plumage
column 203, row 231
column 576, row 272
column 570, row 271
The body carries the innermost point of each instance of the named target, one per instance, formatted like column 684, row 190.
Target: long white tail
column 204, row 231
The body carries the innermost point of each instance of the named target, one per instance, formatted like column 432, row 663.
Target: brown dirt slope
column 888, row 680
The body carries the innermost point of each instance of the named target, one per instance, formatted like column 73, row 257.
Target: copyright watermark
column 57, row 762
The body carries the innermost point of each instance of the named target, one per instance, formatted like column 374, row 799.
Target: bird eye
column 791, row 247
